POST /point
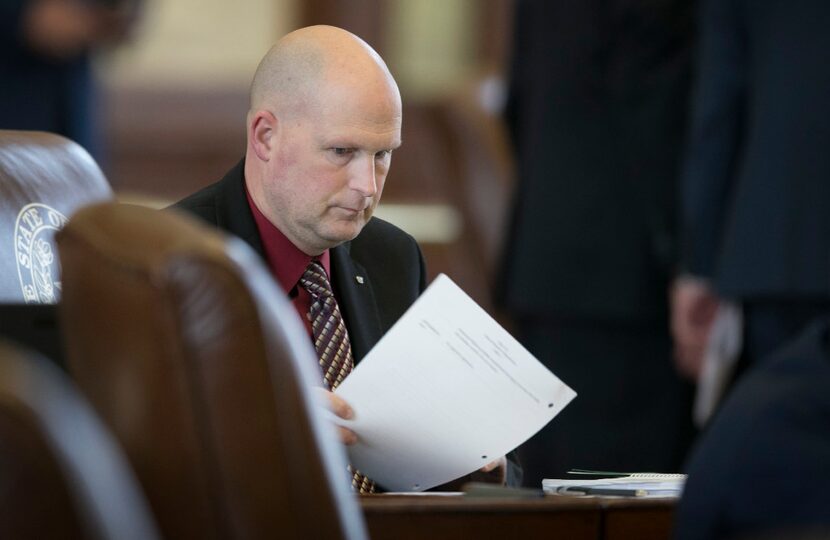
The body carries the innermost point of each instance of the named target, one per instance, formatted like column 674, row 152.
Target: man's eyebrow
column 344, row 141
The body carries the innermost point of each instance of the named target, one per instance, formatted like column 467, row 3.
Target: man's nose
column 364, row 178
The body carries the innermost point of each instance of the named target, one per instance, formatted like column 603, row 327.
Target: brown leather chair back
column 200, row 365
column 61, row 474
column 43, row 179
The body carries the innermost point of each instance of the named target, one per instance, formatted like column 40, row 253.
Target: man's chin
column 345, row 233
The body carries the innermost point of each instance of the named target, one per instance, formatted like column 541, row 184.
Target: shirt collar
column 286, row 261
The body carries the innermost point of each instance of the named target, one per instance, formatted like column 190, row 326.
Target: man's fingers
column 340, row 407
column 334, row 403
column 490, row 466
column 347, row 436
column 493, row 465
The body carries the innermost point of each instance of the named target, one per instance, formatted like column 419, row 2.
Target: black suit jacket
column 756, row 196
column 597, row 108
column 763, row 463
column 387, row 259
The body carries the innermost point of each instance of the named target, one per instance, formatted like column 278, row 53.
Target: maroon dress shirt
column 287, row 262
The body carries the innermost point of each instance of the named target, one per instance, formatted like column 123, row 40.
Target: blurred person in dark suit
column 47, row 81
column 597, row 107
column 761, row 467
column 756, row 182
column 756, row 230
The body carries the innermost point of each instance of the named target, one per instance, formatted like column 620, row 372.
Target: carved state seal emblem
column 38, row 265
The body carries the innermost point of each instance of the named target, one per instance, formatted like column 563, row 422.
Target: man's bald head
column 290, row 76
column 325, row 117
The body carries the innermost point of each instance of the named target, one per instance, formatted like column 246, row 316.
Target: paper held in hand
column 443, row 393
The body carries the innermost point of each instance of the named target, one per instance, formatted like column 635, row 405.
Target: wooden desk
column 646, row 519
column 405, row 517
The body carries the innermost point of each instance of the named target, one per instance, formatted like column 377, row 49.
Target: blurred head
column 325, row 116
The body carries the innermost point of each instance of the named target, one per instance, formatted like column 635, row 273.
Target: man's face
column 329, row 165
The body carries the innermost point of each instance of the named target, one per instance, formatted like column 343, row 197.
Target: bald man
column 324, row 120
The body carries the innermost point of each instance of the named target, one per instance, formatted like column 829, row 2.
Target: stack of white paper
column 633, row 485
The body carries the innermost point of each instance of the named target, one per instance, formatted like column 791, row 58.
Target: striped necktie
column 331, row 341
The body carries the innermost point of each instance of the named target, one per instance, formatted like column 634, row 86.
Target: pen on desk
column 586, row 490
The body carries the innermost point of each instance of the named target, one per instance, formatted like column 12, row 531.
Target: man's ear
column 261, row 134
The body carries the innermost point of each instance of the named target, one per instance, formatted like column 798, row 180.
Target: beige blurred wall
column 208, row 44
column 192, row 43
column 431, row 45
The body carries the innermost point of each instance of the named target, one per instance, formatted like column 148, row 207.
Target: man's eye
column 341, row 151
column 382, row 154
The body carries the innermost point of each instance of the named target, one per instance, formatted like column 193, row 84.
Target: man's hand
column 497, row 469
column 64, row 29
column 693, row 309
column 341, row 409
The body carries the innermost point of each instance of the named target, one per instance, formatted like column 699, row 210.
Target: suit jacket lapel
column 356, row 299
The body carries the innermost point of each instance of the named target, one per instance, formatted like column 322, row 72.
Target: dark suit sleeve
column 715, row 139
